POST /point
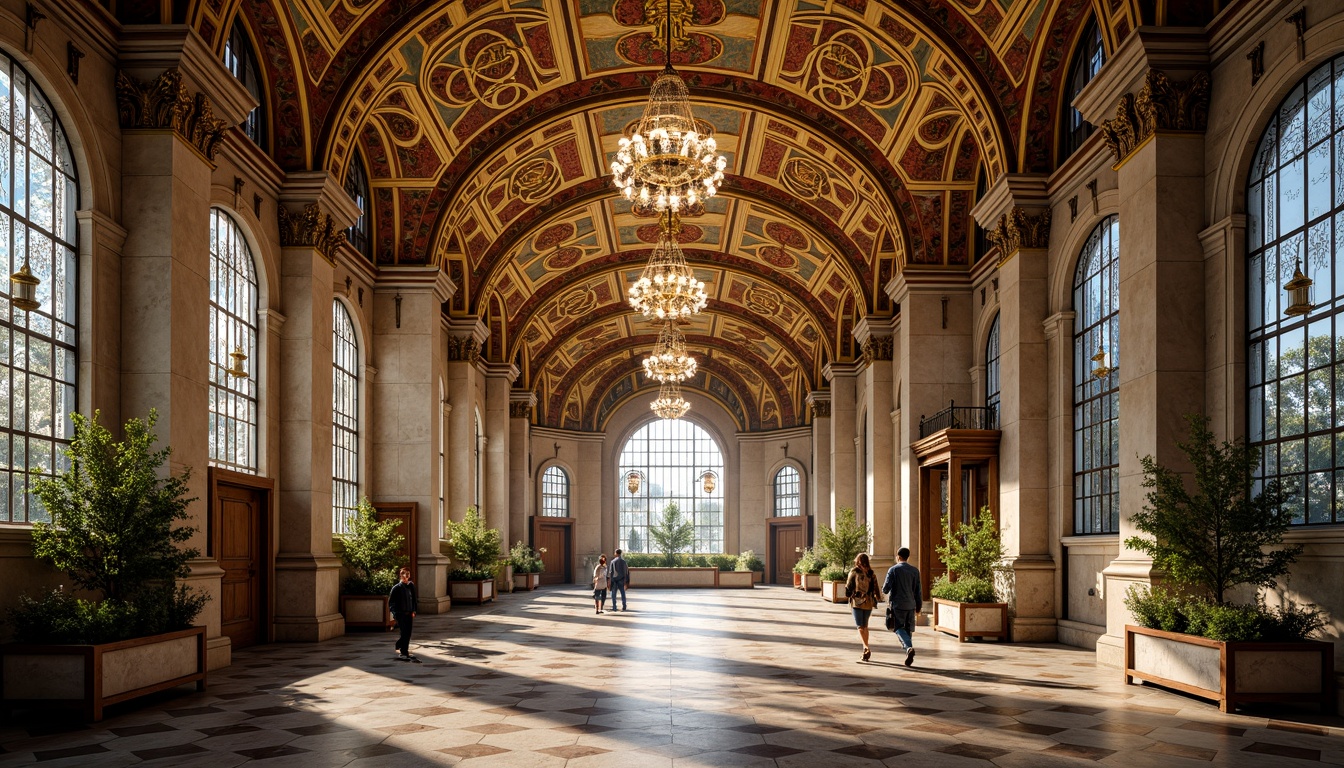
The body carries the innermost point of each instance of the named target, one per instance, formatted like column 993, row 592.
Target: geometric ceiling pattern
column 856, row 132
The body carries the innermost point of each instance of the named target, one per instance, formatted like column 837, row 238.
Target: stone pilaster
column 499, row 378
column 842, row 378
column 465, row 337
column 408, row 344
column 875, row 340
column 521, row 406
column 819, row 503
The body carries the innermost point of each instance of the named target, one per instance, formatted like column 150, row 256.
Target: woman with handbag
column 600, row 583
column 864, row 594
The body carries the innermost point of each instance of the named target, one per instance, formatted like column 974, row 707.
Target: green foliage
column 839, row 547
column 372, row 552
column 58, row 617
column 966, row 589
column 974, row 550
column 525, row 559
column 1157, row 608
column 672, row 534
column 644, row 560
column 470, row 574
column 809, row 562
column 475, row 546
column 113, row 517
column 748, row 561
column 1220, row 536
column 1162, row 608
column 633, row 542
column 833, row 573
column 722, row 562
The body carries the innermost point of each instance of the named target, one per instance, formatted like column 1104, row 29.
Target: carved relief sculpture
column 821, row 409
column 312, row 228
column 877, row 348
column 520, row 411
column 165, row 103
column 1020, row 229
column 463, row 349
column 1160, row 105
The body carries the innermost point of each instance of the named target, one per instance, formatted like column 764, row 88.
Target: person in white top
column 600, row 583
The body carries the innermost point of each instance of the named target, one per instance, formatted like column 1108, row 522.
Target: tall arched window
column 241, row 60
column 554, row 492
column 480, row 461
column 37, row 348
column 1086, row 63
column 672, row 456
column 1295, row 363
column 360, row 233
column 233, row 330
column 992, row 385
column 344, row 418
column 788, row 493
column 1096, row 383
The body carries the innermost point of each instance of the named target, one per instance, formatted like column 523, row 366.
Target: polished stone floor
column 685, row 678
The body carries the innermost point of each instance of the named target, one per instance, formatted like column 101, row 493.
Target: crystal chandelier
column 670, row 404
column 669, row 361
column 670, row 160
column 668, row 288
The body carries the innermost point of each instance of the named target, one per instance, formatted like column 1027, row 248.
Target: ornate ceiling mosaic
column 856, row 132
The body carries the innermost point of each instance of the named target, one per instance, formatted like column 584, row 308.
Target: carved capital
column 1020, row 229
column 1160, row 105
column 821, row 409
column 313, row 229
column 165, row 104
column 877, row 348
column 520, row 410
column 464, row 349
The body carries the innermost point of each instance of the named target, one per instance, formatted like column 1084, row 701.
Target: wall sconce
column 23, row 289
column 1299, row 293
column 1102, row 370
column 633, row 480
column 709, row 481
column 236, row 359
column 397, row 299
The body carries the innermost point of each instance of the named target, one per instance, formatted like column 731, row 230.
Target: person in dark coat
column 902, row 584
column 619, row 574
column 401, row 601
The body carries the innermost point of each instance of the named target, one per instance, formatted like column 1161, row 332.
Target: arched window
column 1096, row 383
column 37, row 348
column 233, row 330
column 480, row 461
column 360, row 234
column 1086, row 63
column 672, row 456
column 788, row 493
column 554, row 492
column 344, row 418
column 992, row 385
column 241, row 60
column 1295, row 363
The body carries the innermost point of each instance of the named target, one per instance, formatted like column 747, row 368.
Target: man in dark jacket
column 903, row 585
column 401, row 602
column 619, row 573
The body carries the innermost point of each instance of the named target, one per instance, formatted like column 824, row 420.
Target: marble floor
column 685, row 678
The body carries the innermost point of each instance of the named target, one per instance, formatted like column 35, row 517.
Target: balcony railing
column 960, row 417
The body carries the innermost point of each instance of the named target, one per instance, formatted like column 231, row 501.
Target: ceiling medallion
column 670, row 160
column 668, row 289
column 670, row 404
column 669, row 361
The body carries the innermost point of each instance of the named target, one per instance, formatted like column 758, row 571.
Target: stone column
column 465, row 387
column 1160, row 101
column 175, row 100
column 314, row 213
column 499, row 378
column 819, row 485
column 521, row 405
column 1019, row 206
column 875, row 340
column 844, row 429
column 408, row 344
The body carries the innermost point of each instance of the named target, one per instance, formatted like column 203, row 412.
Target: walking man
column 620, row 574
column 401, row 601
column 903, row 585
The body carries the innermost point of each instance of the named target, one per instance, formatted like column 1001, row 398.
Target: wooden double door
column 788, row 537
column 553, row 538
column 240, row 539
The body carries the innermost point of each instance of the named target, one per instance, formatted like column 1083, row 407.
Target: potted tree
column 669, row 538
column 476, row 550
column 370, row 552
column 527, row 566
column 808, row 569
column 965, row 599
column 1210, row 537
column 114, row 530
column 837, row 549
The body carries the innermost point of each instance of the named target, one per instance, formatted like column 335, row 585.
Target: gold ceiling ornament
column 668, row 289
column 670, row 160
column 23, row 288
column 669, row 360
column 236, row 359
column 1299, row 293
column 670, row 404
column 709, row 480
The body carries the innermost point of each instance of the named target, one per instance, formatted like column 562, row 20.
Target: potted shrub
column 527, row 566
column 833, row 579
column 671, row 566
column 837, row 549
column 115, row 532
column 1209, row 537
column 808, row 569
column 371, row 552
column 476, row 550
column 965, row 600
column 749, row 561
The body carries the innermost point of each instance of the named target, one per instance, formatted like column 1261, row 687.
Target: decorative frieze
column 877, row 348
column 165, row 104
column 313, row 229
column 1020, row 229
column 463, row 349
column 1160, row 105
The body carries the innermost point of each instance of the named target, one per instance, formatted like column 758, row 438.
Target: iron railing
column 963, row 417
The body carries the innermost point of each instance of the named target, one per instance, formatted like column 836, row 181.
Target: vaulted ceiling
column 856, row 133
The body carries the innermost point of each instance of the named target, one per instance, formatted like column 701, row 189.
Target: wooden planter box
column 797, row 580
column 833, row 591
column 1232, row 673
column 963, row 620
column 811, row 581
column 736, row 580
column 369, row 611
column 474, row 592
column 673, row 578
column 526, row 580
column 91, row 677
column 757, row 577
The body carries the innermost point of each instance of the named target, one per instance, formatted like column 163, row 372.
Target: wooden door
column 555, row 536
column 787, row 541
column 404, row 512
column 241, row 555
